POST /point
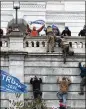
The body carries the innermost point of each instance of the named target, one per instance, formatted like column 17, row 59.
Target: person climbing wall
column 36, row 82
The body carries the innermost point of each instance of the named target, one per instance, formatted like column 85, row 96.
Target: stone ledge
column 44, row 37
column 40, row 54
column 13, row 53
column 40, row 37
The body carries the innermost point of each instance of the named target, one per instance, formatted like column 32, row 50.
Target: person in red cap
column 34, row 32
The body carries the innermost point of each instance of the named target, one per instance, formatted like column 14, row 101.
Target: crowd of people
column 55, row 30
column 35, row 32
column 64, row 84
column 51, row 33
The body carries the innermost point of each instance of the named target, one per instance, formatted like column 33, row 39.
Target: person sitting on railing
column 62, row 93
column 50, row 39
column 64, row 45
column 36, row 87
column 1, row 32
column 66, row 32
column 83, row 76
column 83, row 31
column 34, row 32
column 9, row 30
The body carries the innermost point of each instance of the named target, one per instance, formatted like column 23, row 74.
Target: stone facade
column 24, row 62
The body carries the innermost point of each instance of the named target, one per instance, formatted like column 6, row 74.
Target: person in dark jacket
column 66, row 32
column 1, row 32
column 36, row 86
column 83, row 31
column 83, row 76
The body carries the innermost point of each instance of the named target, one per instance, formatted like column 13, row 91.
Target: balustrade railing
column 74, row 42
column 40, row 43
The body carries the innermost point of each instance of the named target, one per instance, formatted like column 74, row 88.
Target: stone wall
column 49, row 68
column 23, row 64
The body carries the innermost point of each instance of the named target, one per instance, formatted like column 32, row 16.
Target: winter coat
column 64, row 42
column 82, row 33
column 83, row 70
column 64, row 85
column 66, row 33
column 56, row 32
column 36, row 83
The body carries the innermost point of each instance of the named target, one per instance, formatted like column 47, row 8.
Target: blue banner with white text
column 11, row 84
column 42, row 22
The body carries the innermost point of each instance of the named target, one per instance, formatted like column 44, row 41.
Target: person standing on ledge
column 50, row 39
column 66, row 32
column 83, row 76
column 62, row 94
column 1, row 34
column 36, row 87
column 34, row 32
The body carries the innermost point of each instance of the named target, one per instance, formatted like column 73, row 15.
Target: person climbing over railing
column 83, row 76
column 63, row 92
column 36, row 82
column 50, row 39
column 83, row 31
column 64, row 44
column 66, row 32
column 34, row 32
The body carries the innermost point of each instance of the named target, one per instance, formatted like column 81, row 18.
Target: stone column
column 16, row 41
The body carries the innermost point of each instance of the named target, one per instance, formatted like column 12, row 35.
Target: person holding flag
column 34, row 32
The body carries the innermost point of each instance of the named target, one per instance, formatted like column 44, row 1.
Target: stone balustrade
column 75, row 42
column 39, row 44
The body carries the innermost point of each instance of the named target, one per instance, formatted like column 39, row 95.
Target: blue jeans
column 62, row 96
